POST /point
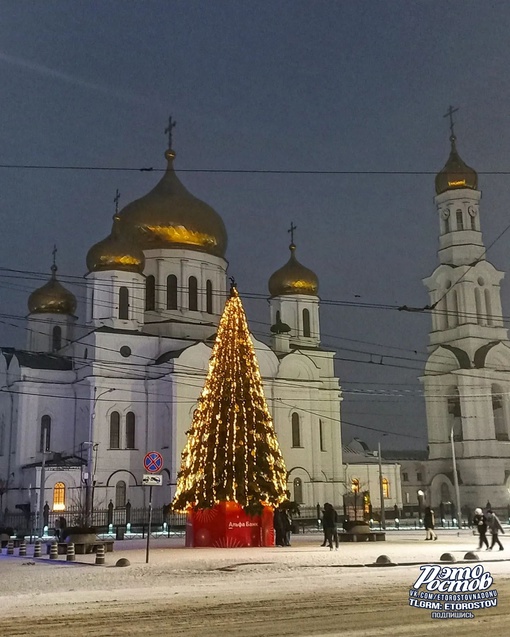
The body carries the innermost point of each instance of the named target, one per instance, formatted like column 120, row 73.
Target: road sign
column 153, row 462
column 152, row 480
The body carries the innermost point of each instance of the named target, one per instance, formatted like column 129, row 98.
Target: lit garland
column 232, row 453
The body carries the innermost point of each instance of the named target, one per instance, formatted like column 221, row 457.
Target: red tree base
column 227, row 525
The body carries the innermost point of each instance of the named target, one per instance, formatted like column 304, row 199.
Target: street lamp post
column 89, row 484
column 381, row 488
column 43, row 481
column 456, row 481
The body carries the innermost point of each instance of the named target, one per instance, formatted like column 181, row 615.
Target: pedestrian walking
column 429, row 523
column 480, row 524
column 330, row 521
column 325, row 539
column 278, row 525
column 495, row 527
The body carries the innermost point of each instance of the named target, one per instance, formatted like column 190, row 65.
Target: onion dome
column 169, row 217
column 455, row 174
column 116, row 252
column 52, row 298
column 293, row 278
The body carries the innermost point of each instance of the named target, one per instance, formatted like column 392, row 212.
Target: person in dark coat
column 480, row 524
column 287, row 527
column 325, row 540
column 428, row 523
column 278, row 525
column 495, row 527
column 330, row 521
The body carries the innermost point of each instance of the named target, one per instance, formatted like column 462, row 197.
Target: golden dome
column 52, row 298
column 169, row 216
column 116, row 252
column 293, row 278
column 455, row 174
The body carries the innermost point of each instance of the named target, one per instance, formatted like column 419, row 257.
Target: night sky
column 301, row 88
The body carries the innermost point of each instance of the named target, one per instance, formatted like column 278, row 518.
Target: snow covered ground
column 299, row 590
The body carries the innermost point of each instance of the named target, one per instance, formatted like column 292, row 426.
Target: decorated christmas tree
column 232, row 454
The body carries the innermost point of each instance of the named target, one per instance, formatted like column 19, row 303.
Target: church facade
column 90, row 396
column 467, row 374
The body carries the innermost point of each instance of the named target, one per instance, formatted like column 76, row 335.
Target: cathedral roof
column 293, row 278
column 35, row 360
column 52, row 298
column 116, row 252
column 455, row 174
column 169, row 216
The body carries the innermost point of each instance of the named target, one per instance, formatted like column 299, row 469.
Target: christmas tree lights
column 232, row 453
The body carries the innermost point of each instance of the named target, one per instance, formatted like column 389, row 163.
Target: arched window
column 150, row 293
column 460, row 220
column 355, row 485
column 452, row 308
column 473, row 222
column 296, row 430
column 298, row 491
column 59, row 497
column 130, row 430
column 123, row 303
column 454, row 414
column 278, row 317
column 446, row 225
column 386, row 488
column 500, row 426
column 171, row 292
column 478, row 305
column 192, row 294
column 208, row 297
column 488, row 307
column 45, row 440
column 120, row 494
column 445, row 493
column 306, row 323
column 56, row 338
column 115, row 430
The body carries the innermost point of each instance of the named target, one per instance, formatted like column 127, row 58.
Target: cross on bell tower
column 171, row 124
column 449, row 113
column 291, row 231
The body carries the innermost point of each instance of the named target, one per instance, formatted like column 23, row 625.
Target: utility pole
column 456, row 482
column 381, row 490
column 43, row 481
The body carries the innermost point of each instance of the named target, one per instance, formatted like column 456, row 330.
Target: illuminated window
column 56, row 342
column 150, row 293
column 130, row 430
column 115, row 430
column 298, row 490
column 44, row 442
column 306, row 323
column 120, row 494
column 123, row 303
column 296, row 431
column 59, row 497
column 355, row 485
column 208, row 297
column 386, row 487
column 171, row 292
column 192, row 294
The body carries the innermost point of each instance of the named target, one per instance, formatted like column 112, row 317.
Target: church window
column 208, row 297
column 488, row 307
column 405, row 477
column 446, row 225
column 130, row 430
column 321, row 436
column 45, row 440
column 386, row 488
column 473, row 222
column 278, row 317
column 419, row 476
column 296, row 430
column 306, row 323
column 59, row 497
column 298, row 491
column 355, row 485
column 452, row 307
column 56, row 338
column 171, row 292
column 115, row 430
column 92, row 305
column 478, row 305
column 445, row 493
column 120, row 494
column 454, row 422
column 150, row 293
column 123, row 303
column 192, row 294
column 460, row 220
column 500, row 427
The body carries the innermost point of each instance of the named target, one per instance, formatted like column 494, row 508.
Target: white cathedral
column 87, row 399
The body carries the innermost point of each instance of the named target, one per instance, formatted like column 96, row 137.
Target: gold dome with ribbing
column 455, row 174
column 52, row 298
column 116, row 252
column 293, row 278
